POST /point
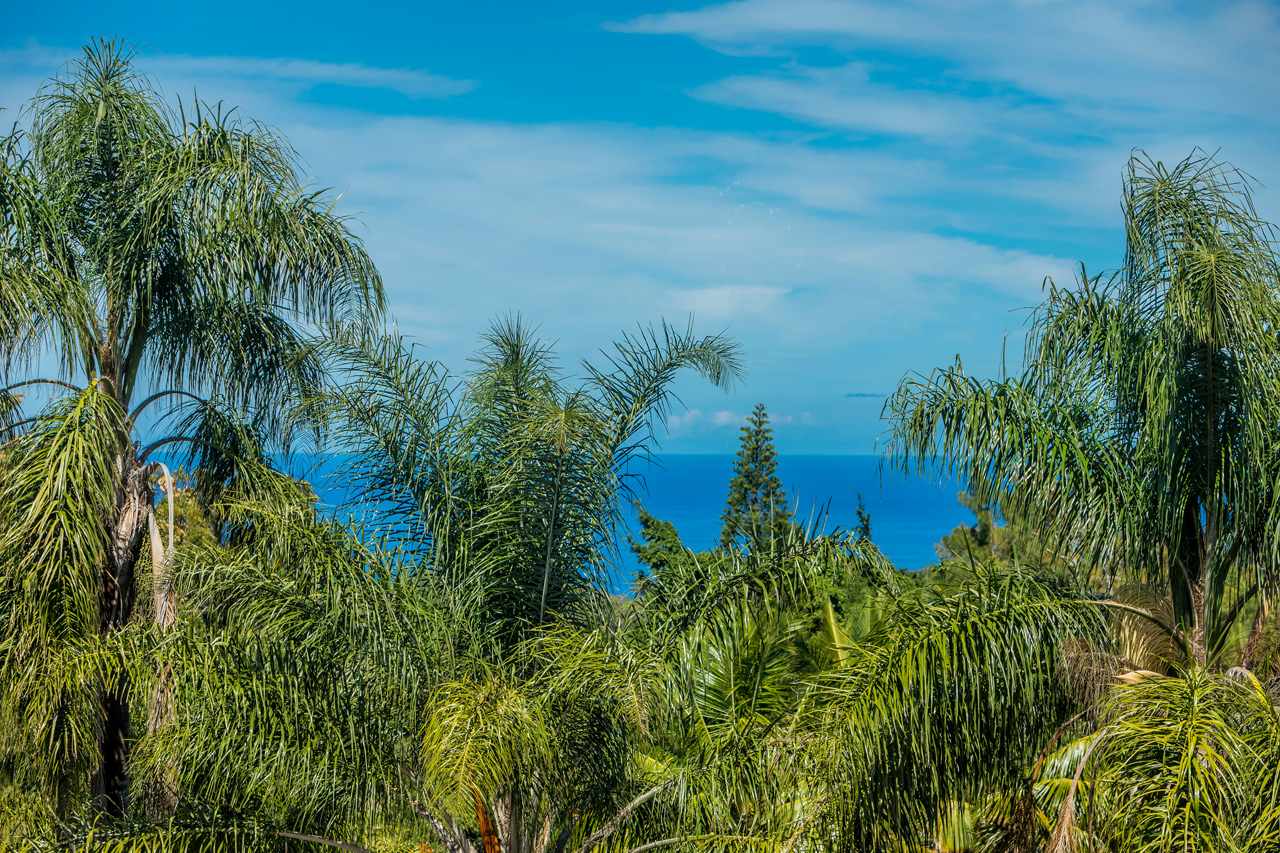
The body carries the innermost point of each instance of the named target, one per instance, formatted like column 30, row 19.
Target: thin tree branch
column 17, row 424
column 142, row 457
column 1044, row 754
column 667, row 842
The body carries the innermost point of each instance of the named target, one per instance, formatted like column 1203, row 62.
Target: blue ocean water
column 908, row 515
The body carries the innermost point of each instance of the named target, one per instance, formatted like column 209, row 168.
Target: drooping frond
column 1190, row 763
column 1140, row 434
column 952, row 697
column 57, row 482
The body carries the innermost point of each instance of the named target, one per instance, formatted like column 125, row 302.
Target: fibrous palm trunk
column 133, row 505
column 162, row 798
column 488, row 834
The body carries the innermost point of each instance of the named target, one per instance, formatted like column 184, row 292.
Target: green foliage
column 660, row 547
column 756, row 509
column 1138, row 434
column 446, row 667
column 949, row 698
column 989, row 542
column 56, row 485
column 171, row 261
column 515, row 473
column 1191, row 763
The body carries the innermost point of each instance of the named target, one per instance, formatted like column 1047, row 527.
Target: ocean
column 908, row 515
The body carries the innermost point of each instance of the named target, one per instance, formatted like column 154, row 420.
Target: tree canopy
column 147, row 251
column 444, row 659
column 756, row 508
column 1139, row 433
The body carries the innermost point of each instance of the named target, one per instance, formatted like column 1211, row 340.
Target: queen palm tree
column 1140, row 437
column 315, row 667
column 164, row 264
column 518, row 467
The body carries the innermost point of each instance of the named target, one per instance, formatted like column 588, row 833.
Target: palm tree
column 1140, row 435
column 793, row 725
column 517, row 468
column 508, row 483
column 164, row 259
column 313, row 666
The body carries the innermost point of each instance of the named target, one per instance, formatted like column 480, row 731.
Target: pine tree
column 864, row 520
column 756, row 509
column 661, row 547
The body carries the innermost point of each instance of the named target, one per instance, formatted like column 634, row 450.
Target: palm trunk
column 133, row 505
column 487, row 832
column 162, row 799
column 1255, row 632
column 515, row 838
column 1199, row 634
column 1192, row 562
column 132, row 508
column 543, row 840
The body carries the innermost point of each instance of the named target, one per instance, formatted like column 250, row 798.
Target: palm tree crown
column 1141, row 432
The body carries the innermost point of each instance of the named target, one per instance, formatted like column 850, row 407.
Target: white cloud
column 845, row 98
column 1057, row 74
column 725, row 423
column 727, row 300
column 676, row 423
column 912, row 210
column 35, row 62
column 1136, row 50
column 406, row 81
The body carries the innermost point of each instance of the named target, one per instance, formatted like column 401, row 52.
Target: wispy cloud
column 846, row 98
column 694, row 421
column 40, row 61
column 1041, row 76
column 727, row 300
column 409, row 82
column 1144, row 52
column 940, row 160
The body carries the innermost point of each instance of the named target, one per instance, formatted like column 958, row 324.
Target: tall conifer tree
column 756, row 509
column 659, row 546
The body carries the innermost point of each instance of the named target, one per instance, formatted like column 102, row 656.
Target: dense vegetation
column 193, row 656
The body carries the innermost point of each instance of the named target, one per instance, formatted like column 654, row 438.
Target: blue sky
column 854, row 189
